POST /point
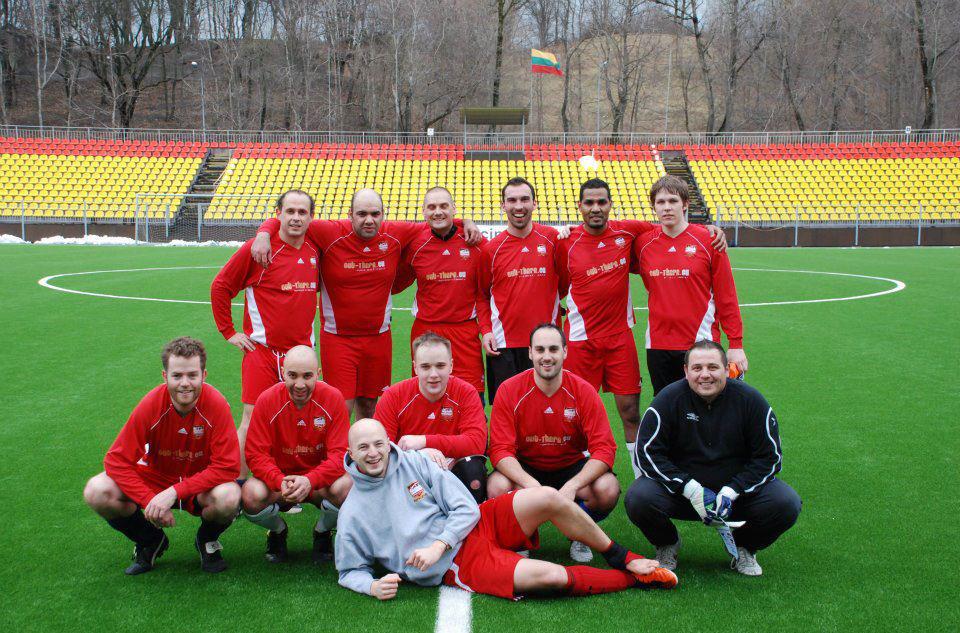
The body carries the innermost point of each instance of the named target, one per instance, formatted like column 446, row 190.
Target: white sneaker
column 580, row 552
column 667, row 554
column 747, row 563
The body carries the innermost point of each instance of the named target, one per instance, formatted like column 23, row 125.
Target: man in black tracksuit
column 706, row 434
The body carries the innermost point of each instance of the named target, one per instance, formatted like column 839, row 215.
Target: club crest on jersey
column 313, row 261
column 416, row 490
column 198, row 431
column 541, row 249
column 319, row 422
column 690, row 250
column 569, row 413
column 383, row 246
column 465, row 253
column 446, row 412
column 620, row 241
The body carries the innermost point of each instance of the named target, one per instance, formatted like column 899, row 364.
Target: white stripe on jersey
column 773, row 469
column 498, row 334
column 386, row 315
column 329, row 320
column 413, row 308
column 578, row 331
column 705, row 331
column 259, row 333
column 631, row 320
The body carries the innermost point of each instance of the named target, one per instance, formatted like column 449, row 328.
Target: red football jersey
column 518, row 285
column 455, row 424
column 690, row 289
column 159, row 448
column 446, row 275
column 356, row 275
column 280, row 302
column 284, row 440
column 594, row 275
column 553, row 432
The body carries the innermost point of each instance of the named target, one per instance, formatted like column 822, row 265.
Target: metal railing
column 500, row 140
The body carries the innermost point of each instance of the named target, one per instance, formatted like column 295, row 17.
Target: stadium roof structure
column 496, row 116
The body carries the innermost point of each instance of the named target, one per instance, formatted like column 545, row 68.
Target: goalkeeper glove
column 703, row 500
column 724, row 502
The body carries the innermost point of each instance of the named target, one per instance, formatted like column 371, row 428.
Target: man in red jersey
column 295, row 449
column 280, row 302
column 594, row 269
column 445, row 268
column 359, row 265
column 439, row 415
column 178, row 450
column 518, row 284
column 549, row 428
column 690, row 287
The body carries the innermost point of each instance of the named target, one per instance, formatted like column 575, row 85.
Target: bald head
column 300, row 374
column 369, row 447
column 366, row 213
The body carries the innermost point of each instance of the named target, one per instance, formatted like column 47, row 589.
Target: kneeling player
column 177, row 450
column 444, row 537
column 439, row 414
column 295, row 448
column 544, row 422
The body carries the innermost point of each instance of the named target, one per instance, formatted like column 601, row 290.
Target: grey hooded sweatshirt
column 385, row 518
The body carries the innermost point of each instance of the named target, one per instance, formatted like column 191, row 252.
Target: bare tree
column 505, row 10
column 931, row 51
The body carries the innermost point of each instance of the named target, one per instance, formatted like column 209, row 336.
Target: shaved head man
column 295, row 448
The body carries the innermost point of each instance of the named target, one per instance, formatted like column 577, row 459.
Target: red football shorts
column 187, row 504
column 464, row 343
column 488, row 557
column 357, row 365
column 261, row 369
column 610, row 361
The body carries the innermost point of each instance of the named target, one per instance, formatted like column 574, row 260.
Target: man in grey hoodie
column 421, row 524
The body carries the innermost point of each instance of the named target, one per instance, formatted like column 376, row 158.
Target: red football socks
column 587, row 581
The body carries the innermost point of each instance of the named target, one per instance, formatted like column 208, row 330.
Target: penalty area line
column 454, row 613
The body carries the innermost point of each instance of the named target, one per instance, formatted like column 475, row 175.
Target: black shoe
column 277, row 546
column 212, row 563
column 145, row 556
column 322, row 547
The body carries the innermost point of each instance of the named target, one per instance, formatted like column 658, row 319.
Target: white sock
column 328, row 517
column 268, row 518
column 630, row 448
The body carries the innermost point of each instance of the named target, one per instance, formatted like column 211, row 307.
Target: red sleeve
column 484, row 288
column 404, row 279
column 260, row 460
column 634, row 227
column 471, row 438
column 224, row 449
column 318, row 231
column 121, row 460
column 231, row 279
column 386, row 414
column 330, row 469
column 725, row 296
column 596, row 427
column 563, row 273
column 405, row 232
column 503, row 428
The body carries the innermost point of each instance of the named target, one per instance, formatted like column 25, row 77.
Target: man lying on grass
column 419, row 522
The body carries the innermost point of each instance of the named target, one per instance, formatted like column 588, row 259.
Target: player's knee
column 553, row 577
column 786, row 507
column 100, row 492
column 639, row 501
column 254, row 495
column 607, row 493
column 550, row 499
column 340, row 489
column 498, row 485
column 225, row 499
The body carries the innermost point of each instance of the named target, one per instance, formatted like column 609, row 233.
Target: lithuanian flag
column 545, row 63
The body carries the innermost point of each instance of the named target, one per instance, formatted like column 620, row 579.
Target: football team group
column 407, row 486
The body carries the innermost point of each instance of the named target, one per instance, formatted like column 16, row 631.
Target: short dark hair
column 429, row 338
column 516, row 181
column 671, row 184
column 705, row 344
column 184, row 347
column 301, row 192
column 548, row 326
column 595, row 183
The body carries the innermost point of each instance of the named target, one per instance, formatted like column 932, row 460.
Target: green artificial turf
column 866, row 394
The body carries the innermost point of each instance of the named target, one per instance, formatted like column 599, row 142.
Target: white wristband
column 693, row 487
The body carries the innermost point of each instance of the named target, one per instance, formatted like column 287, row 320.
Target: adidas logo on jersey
column 300, row 261
column 672, row 249
column 432, row 416
column 182, row 431
column 548, row 410
column 524, row 250
column 301, row 423
column 445, row 252
column 601, row 245
column 366, row 249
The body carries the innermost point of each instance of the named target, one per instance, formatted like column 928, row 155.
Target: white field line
column 897, row 286
column 453, row 611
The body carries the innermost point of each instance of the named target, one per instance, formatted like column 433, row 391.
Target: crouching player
column 549, row 428
column 295, row 448
column 177, row 450
column 439, row 535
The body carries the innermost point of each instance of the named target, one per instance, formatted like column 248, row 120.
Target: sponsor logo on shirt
column 364, row 266
column 527, row 271
column 569, row 413
column 692, row 417
column 446, row 412
column 298, row 286
column 446, row 276
column 181, row 455
column 416, row 491
column 690, row 250
column 299, row 449
column 554, row 440
column 319, row 423
column 669, row 272
column 198, row 431
column 620, row 241
column 605, row 268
